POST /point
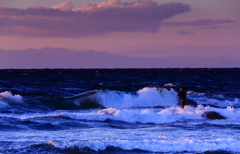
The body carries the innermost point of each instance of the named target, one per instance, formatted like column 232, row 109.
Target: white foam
column 228, row 112
column 146, row 97
column 7, row 97
column 152, row 139
column 155, row 116
column 155, row 145
column 147, row 115
column 169, row 85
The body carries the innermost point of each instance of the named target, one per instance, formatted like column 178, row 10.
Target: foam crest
column 7, row 97
column 154, row 145
column 146, row 97
column 229, row 112
column 147, row 115
column 156, row 116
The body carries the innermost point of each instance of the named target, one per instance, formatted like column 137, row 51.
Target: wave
column 44, row 148
column 144, row 116
column 133, row 146
column 214, row 100
column 7, row 98
column 146, row 97
column 155, row 116
column 153, row 145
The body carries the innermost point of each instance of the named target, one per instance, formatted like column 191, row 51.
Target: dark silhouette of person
column 182, row 97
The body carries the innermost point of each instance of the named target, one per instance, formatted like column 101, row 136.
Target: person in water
column 182, row 97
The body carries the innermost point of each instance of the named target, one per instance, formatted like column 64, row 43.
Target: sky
column 147, row 28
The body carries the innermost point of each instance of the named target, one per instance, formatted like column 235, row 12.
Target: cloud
column 65, row 20
column 207, row 23
column 68, row 5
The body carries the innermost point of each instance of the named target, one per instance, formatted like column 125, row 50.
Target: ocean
column 126, row 111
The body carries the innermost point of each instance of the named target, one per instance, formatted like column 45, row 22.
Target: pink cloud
column 64, row 20
column 68, row 5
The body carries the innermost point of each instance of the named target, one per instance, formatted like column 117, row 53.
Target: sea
column 119, row 111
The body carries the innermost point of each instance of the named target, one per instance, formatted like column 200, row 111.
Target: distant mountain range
column 63, row 58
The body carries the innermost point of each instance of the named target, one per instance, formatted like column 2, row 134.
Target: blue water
column 119, row 111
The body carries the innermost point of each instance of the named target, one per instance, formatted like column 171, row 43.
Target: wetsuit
column 183, row 98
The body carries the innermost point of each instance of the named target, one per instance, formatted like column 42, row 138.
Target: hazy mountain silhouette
column 63, row 58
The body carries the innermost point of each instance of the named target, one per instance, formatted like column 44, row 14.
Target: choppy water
column 118, row 111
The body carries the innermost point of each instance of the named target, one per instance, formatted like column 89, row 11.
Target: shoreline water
column 41, row 111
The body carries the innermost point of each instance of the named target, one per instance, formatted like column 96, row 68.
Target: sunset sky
column 147, row 28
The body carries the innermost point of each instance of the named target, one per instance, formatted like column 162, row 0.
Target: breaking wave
column 7, row 98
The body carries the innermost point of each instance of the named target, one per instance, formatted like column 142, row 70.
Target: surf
column 146, row 97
